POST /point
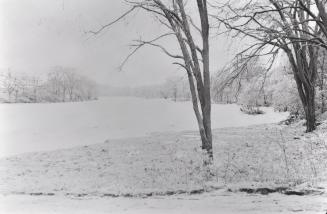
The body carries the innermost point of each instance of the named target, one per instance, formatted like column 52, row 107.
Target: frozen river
column 37, row 127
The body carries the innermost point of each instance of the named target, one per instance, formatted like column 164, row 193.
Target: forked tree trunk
column 199, row 81
column 204, row 131
column 305, row 74
column 195, row 59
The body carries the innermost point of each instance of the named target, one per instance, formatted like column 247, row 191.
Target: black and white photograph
column 163, row 106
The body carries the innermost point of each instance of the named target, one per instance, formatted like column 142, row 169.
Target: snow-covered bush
column 285, row 96
column 252, row 110
column 247, row 87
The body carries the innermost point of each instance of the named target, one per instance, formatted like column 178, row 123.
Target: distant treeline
column 60, row 85
column 174, row 88
column 250, row 89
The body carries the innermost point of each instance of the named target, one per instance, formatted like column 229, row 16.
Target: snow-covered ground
column 171, row 163
column 216, row 202
column 159, row 173
column 37, row 127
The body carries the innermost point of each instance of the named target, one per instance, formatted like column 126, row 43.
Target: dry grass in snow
column 163, row 164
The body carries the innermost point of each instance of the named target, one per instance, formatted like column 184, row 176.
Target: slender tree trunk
column 322, row 102
column 321, row 87
column 206, row 108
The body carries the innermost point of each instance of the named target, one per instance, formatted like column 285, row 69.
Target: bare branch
column 114, row 21
column 142, row 43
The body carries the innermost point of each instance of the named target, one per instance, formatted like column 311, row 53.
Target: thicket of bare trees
column 61, row 85
column 65, row 84
column 249, row 88
column 296, row 27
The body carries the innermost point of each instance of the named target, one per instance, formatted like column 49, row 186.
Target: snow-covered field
column 37, row 127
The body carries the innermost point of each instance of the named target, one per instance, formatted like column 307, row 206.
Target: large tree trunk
column 307, row 96
column 309, row 109
column 305, row 74
column 310, row 115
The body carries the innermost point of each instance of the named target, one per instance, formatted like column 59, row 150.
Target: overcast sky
column 36, row 35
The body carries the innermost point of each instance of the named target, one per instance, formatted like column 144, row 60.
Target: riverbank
column 220, row 202
column 262, row 156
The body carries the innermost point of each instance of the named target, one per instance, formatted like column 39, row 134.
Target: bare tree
column 10, row 84
column 279, row 25
column 71, row 81
column 56, row 86
column 35, row 84
column 173, row 87
column 194, row 58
